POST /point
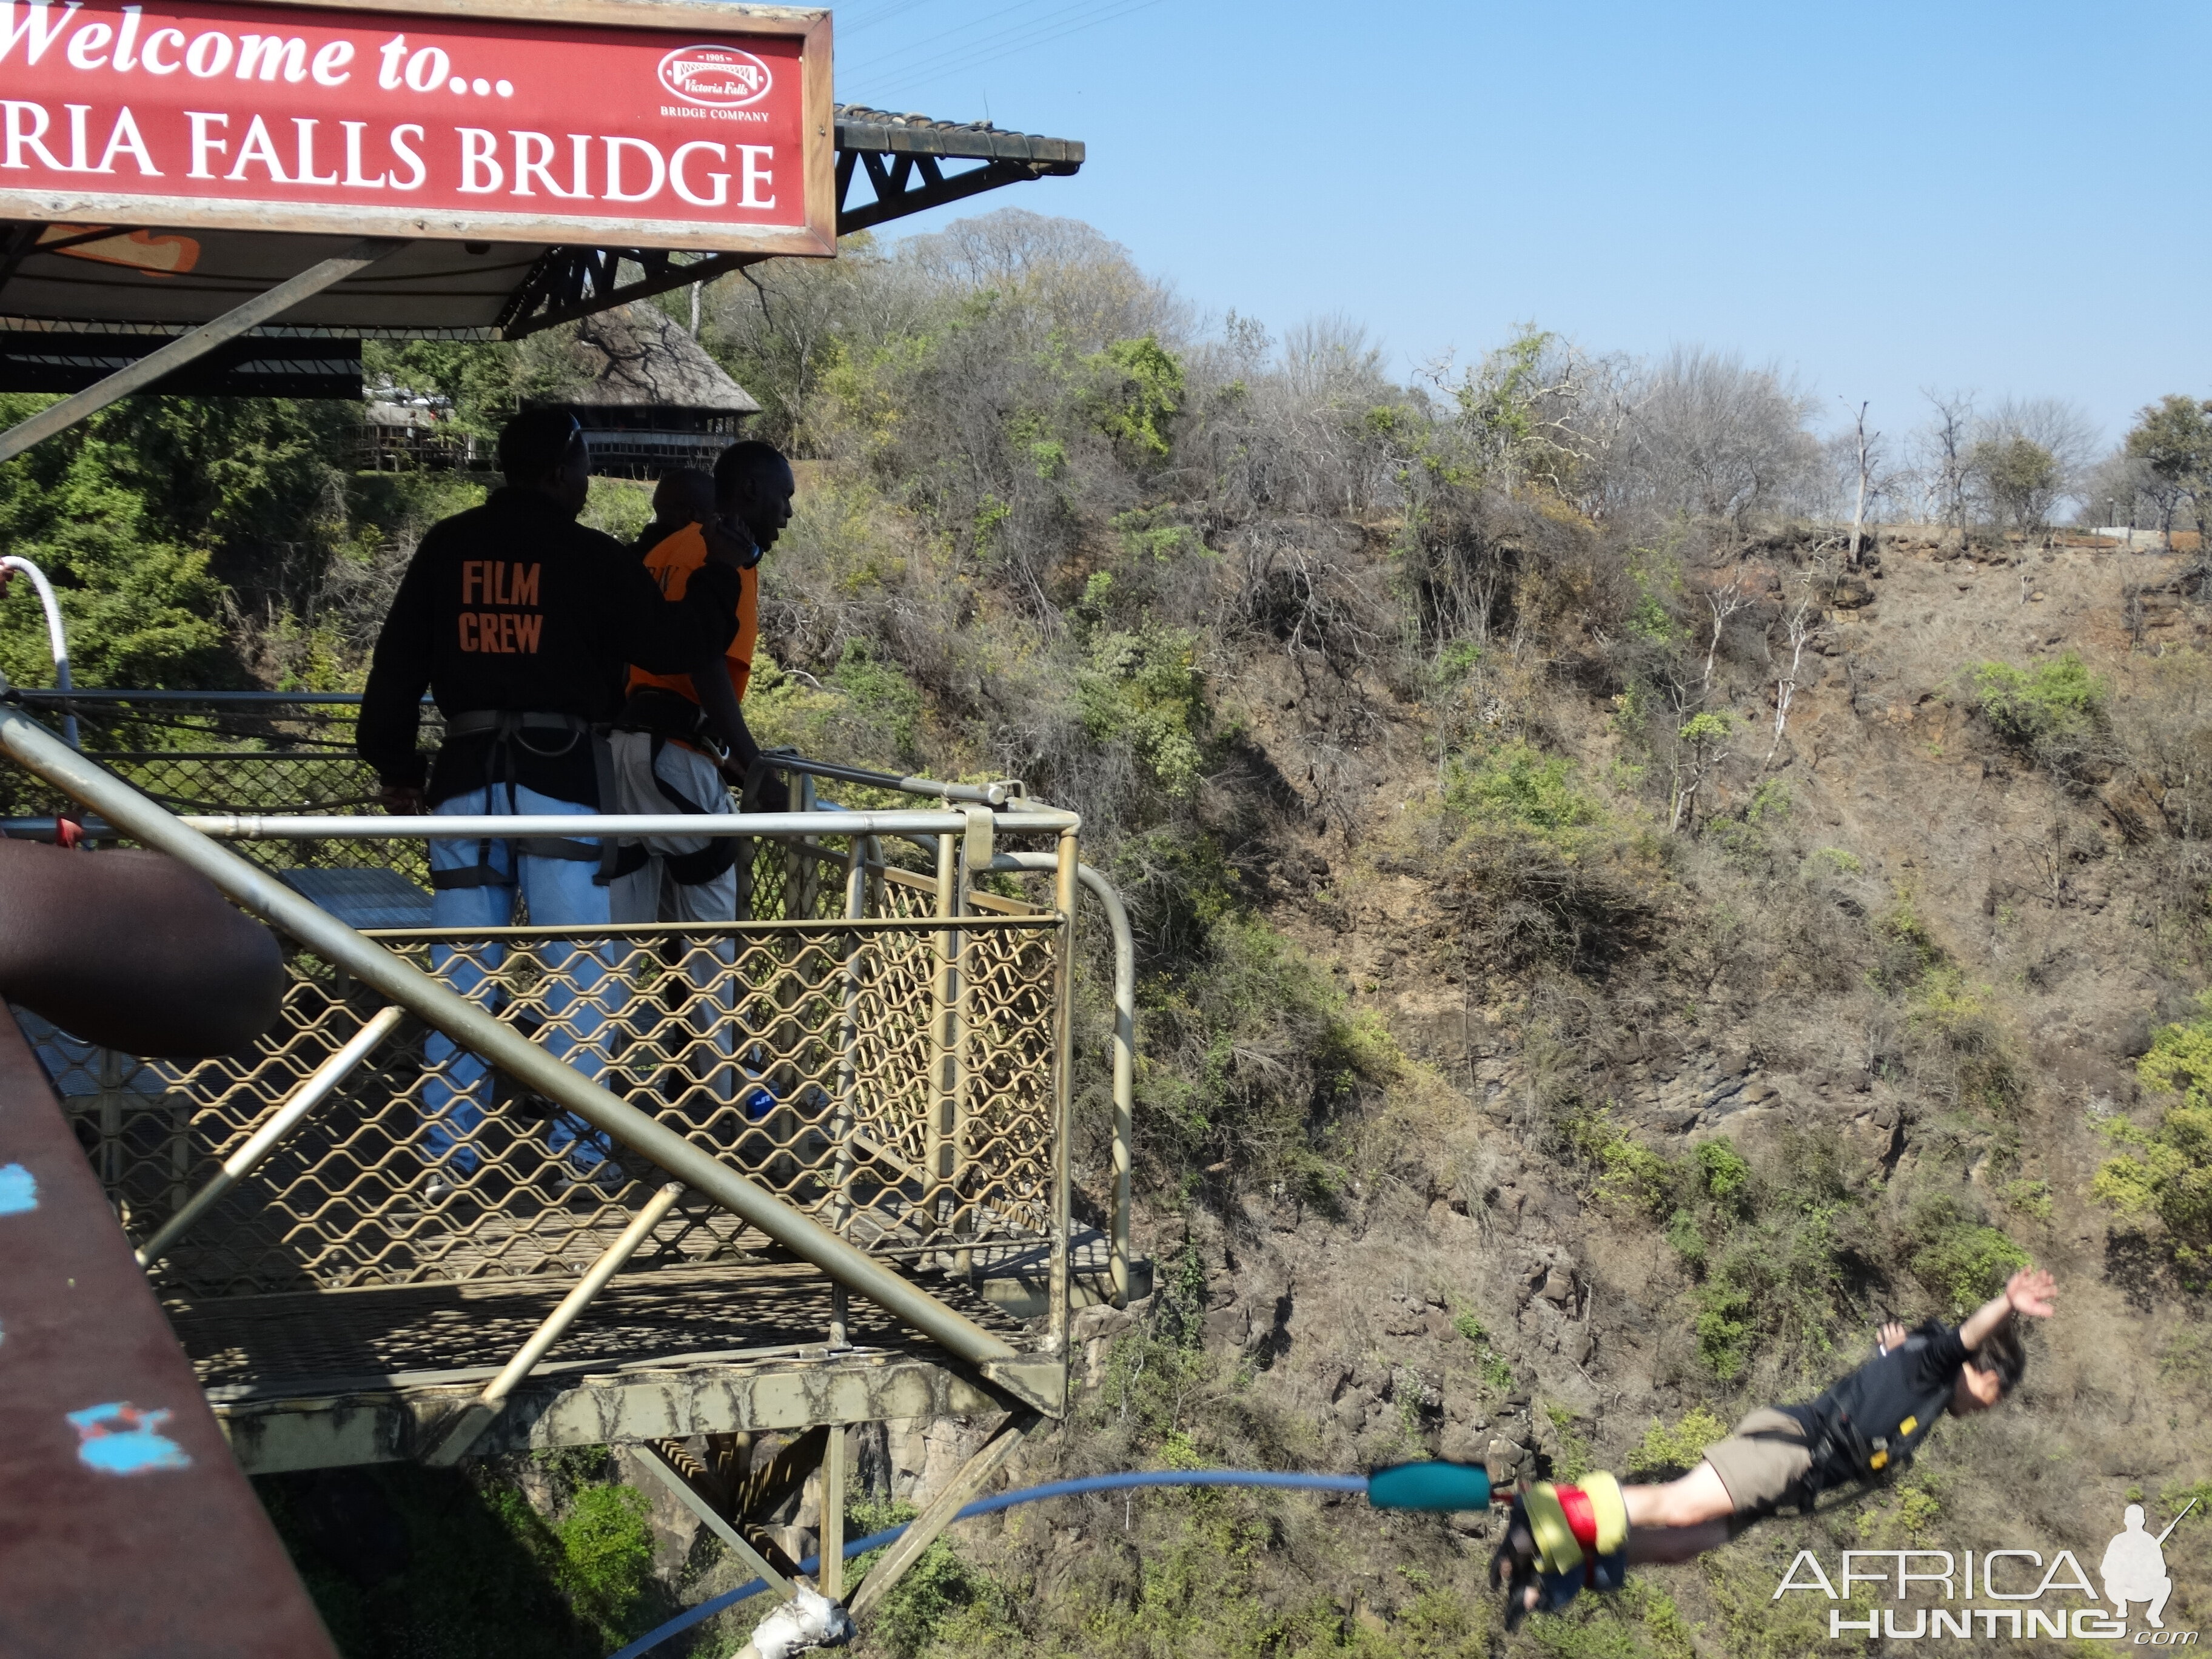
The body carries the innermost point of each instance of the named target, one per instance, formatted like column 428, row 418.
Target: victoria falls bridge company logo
column 719, row 77
column 2028, row 1599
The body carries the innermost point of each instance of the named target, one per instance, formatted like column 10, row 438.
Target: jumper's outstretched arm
column 2031, row 1292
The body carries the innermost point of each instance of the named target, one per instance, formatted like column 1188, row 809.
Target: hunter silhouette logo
column 2134, row 1567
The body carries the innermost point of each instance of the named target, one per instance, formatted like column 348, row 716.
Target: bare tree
column 1723, row 603
column 1710, row 435
column 1798, row 624
column 1947, row 439
column 1865, row 477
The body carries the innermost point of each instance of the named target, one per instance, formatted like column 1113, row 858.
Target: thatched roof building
column 649, row 396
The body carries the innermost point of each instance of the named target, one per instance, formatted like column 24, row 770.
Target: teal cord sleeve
column 1433, row 1486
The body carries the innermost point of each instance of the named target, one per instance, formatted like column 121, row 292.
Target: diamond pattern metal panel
column 800, row 1055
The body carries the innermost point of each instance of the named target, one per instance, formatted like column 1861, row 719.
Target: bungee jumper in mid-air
column 1564, row 1537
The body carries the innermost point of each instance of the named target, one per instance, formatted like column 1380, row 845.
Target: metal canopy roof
column 148, row 280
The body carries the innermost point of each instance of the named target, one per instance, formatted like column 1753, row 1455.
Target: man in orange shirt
column 682, row 740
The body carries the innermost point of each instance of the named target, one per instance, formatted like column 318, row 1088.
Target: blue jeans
column 560, row 892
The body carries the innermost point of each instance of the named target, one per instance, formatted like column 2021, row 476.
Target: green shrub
column 1143, row 690
column 1668, row 1451
column 943, row 1599
column 1630, row 1175
column 1960, row 1259
column 1724, row 1174
column 1496, row 1369
column 1253, row 1058
column 1137, row 392
column 606, row 1557
column 1519, row 784
column 1778, row 1248
column 1975, row 1065
column 2163, row 1175
column 2056, row 713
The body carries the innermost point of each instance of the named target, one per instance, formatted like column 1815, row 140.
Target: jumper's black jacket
column 514, row 606
column 1869, row 1424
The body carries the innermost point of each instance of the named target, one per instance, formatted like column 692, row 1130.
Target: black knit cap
column 533, row 445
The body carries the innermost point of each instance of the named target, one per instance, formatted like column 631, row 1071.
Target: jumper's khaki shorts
column 1763, row 1462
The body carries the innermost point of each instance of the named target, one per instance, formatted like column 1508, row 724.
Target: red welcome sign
column 634, row 122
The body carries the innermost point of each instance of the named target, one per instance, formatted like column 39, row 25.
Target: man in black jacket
column 522, row 623
column 1864, row 1429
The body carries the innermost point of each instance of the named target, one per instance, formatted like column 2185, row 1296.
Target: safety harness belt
column 510, row 729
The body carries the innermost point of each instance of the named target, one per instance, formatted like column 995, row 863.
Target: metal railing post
column 1125, row 1052
column 944, row 1049
column 830, row 1550
column 1063, row 1086
column 842, row 1115
column 280, row 1123
column 481, row 1412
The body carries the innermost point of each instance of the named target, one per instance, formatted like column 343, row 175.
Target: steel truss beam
column 568, row 283
column 883, row 1577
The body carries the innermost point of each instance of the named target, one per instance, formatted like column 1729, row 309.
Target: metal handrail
column 980, row 794
column 47, row 694
column 1013, row 813
column 276, row 826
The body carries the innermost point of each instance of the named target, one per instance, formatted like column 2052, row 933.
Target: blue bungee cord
column 1428, row 1485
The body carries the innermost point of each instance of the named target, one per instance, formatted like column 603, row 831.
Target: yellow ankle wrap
column 1611, row 1508
column 1557, row 1550
column 1598, row 1496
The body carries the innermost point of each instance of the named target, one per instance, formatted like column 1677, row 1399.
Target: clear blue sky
column 1879, row 196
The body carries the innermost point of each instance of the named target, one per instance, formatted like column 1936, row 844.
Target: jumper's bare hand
column 1513, row 1570
column 1892, row 1337
column 2032, row 1291
column 402, row 801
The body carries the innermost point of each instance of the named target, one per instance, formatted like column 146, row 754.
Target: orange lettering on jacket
column 505, row 633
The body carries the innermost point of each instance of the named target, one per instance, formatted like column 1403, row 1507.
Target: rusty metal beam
column 478, row 1414
column 126, row 1529
column 674, row 1478
column 264, row 1141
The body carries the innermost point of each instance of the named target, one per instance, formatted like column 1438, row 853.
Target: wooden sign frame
column 812, row 233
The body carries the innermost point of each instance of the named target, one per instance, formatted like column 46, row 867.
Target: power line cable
column 942, row 39
column 874, row 16
column 1041, row 35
